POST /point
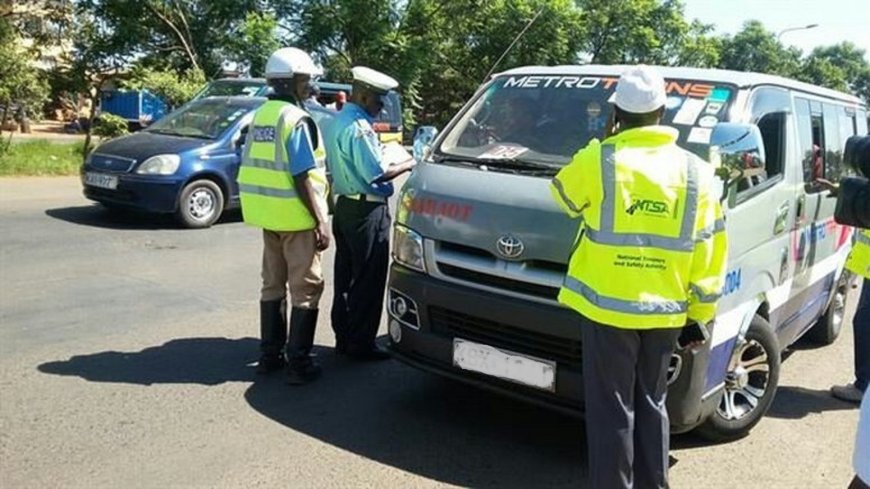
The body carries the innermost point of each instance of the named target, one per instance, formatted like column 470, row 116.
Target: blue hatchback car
column 186, row 163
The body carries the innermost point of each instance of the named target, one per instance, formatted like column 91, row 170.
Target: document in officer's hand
column 394, row 154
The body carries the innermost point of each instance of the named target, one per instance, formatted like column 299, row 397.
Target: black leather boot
column 301, row 368
column 273, row 336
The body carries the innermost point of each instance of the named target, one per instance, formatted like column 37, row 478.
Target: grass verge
column 40, row 158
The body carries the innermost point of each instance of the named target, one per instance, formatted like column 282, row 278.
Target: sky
column 838, row 20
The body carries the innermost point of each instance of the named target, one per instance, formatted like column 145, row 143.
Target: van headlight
column 408, row 248
column 159, row 165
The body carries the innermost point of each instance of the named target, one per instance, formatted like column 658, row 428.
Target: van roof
column 739, row 78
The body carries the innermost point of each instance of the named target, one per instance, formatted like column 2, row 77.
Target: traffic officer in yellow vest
column 282, row 184
column 649, row 260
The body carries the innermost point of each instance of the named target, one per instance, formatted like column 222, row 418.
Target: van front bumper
column 446, row 311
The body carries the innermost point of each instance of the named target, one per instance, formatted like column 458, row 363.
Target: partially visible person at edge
column 282, row 185
column 361, row 223
column 861, row 458
column 859, row 264
column 314, row 96
column 340, row 100
column 632, row 316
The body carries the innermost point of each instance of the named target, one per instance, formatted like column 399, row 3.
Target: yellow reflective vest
column 859, row 259
column 266, row 187
column 651, row 251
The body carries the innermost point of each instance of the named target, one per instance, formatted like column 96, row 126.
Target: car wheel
column 828, row 328
column 750, row 384
column 200, row 205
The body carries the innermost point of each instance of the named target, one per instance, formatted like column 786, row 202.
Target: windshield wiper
column 179, row 134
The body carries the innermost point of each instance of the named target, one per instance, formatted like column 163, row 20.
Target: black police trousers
column 362, row 251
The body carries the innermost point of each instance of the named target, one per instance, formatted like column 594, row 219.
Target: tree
column 22, row 87
column 256, row 40
column 174, row 88
column 644, row 31
column 842, row 67
column 756, row 49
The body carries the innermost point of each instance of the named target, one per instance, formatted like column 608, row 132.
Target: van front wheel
column 750, row 384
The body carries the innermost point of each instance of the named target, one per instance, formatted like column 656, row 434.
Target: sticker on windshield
column 700, row 135
column 689, row 112
column 708, row 121
column 713, row 108
column 504, row 152
column 593, row 109
column 719, row 95
column 673, row 102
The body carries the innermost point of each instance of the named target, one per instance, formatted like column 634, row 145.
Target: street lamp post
column 791, row 29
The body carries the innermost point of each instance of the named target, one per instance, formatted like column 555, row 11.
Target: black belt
column 366, row 198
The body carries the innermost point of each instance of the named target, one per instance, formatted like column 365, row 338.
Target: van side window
column 834, row 141
column 863, row 121
column 812, row 138
column 770, row 109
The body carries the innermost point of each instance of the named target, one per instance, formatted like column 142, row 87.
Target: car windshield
column 205, row 119
column 544, row 120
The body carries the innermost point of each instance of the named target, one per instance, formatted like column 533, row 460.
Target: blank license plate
column 504, row 364
column 101, row 180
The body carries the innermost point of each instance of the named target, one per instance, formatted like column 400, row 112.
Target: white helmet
column 286, row 62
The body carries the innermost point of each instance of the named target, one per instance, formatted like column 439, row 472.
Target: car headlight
column 408, row 248
column 159, row 165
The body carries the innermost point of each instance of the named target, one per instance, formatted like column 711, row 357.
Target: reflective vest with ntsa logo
column 651, row 251
column 266, row 188
column 859, row 259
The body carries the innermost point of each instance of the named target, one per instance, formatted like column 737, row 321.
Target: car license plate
column 504, row 364
column 101, row 180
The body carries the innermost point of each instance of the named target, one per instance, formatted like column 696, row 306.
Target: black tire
column 828, row 327
column 748, row 392
column 201, row 204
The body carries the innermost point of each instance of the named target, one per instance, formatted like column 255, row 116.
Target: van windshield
column 546, row 119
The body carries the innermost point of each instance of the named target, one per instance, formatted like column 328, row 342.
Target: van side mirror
column 424, row 137
column 737, row 152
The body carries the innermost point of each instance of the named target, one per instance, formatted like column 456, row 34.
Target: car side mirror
column 424, row 137
column 737, row 151
column 240, row 139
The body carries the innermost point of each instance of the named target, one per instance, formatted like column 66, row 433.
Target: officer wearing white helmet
column 648, row 268
column 362, row 180
column 283, row 188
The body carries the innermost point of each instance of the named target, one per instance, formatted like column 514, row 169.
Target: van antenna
column 506, row 51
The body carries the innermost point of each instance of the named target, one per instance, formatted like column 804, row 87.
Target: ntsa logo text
column 683, row 88
column 649, row 207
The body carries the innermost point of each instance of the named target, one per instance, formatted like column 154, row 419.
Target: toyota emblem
column 510, row 246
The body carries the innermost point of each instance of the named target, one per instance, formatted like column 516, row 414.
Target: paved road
column 125, row 351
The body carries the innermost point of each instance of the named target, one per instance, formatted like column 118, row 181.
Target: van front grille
column 519, row 340
column 499, row 282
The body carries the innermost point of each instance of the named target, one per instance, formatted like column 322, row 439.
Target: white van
column 480, row 248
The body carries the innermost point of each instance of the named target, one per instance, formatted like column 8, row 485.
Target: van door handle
column 801, row 210
column 781, row 222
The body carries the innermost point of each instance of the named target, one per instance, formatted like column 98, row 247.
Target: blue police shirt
column 354, row 154
column 300, row 150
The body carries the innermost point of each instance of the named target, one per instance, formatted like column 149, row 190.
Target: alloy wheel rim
column 747, row 381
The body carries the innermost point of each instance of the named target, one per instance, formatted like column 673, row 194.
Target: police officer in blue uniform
column 361, row 224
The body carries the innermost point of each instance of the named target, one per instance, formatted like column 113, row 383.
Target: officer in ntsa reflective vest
column 859, row 263
column 282, row 185
column 650, row 259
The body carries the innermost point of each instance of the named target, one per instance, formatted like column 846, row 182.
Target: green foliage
column 756, row 49
column 256, row 41
column 175, row 89
column 110, row 126
column 41, row 157
column 21, row 85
